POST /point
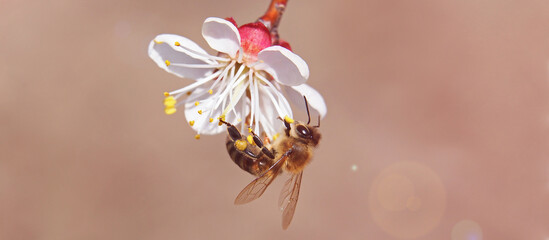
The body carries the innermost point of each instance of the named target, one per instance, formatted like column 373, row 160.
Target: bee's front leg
column 233, row 132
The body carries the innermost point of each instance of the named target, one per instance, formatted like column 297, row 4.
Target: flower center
column 254, row 37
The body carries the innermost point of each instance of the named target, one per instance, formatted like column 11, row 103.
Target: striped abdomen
column 249, row 159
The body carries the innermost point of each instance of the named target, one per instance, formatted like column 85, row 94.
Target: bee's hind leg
column 237, row 138
column 260, row 144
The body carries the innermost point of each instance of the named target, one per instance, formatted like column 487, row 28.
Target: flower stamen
column 196, row 84
column 280, row 97
column 203, row 55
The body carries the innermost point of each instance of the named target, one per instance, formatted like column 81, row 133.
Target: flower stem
column 272, row 17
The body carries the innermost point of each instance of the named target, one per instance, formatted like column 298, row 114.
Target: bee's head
column 307, row 133
column 303, row 131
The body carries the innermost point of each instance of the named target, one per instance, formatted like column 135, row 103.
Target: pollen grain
column 240, row 144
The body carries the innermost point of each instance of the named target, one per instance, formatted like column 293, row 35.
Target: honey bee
column 290, row 153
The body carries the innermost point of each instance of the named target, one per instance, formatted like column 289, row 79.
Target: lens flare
column 466, row 230
column 407, row 200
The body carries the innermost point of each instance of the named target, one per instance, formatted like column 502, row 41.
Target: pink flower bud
column 254, row 37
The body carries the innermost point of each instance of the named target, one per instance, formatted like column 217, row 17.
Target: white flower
column 243, row 84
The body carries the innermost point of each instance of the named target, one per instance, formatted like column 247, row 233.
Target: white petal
column 202, row 123
column 315, row 100
column 221, row 35
column 163, row 48
column 285, row 66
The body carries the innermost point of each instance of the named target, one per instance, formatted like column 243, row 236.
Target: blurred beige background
column 437, row 126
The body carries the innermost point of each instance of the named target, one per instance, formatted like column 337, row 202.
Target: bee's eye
column 303, row 131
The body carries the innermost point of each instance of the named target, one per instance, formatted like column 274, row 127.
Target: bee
column 289, row 153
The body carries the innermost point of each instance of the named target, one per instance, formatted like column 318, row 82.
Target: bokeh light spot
column 466, row 230
column 413, row 203
column 394, row 191
column 407, row 200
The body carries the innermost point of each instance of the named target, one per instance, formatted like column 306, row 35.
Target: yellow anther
column 166, row 94
column 158, row 42
column 168, row 63
column 191, row 122
column 210, row 91
column 199, row 111
column 170, row 110
column 211, row 119
column 288, row 119
column 177, row 44
column 197, row 136
column 251, row 139
column 275, row 136
column 239, row 120
column 196, row 103
column 169, row 101
column 250, row 130
column 240, row 144
column 222, row 117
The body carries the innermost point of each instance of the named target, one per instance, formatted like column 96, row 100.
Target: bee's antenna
column 318, row 122
column 308, row 114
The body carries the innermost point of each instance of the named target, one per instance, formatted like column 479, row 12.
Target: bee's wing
column 288, row 198
column 257, row 187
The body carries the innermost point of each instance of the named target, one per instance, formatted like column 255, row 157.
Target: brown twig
column 272, row 17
